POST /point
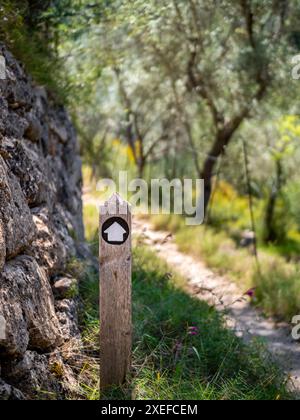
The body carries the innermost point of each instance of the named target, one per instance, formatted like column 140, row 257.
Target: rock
column 4, row 114
column 15, row 215
column 247, row 239
column 61, row 370
column 61, row 126
column 16, row 88
column 2, row 67
column 2, row 246
column 33, row 372
column 17, row 395
column 66, row 311
column 47, row 247
column 70, row 382
column 41, row 229
column 15, row 125
column 7, row 392
column 34, row 130
column 29, row 167
column 41, row 101
column 65, row 288
column 2, row 328
column 66, row 227
column 27, row 304
column 60, row 131
column 16, row 332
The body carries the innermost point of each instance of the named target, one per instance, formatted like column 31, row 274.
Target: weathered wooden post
column 115, row 292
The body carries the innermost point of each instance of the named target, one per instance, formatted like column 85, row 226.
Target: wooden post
column 115, row 292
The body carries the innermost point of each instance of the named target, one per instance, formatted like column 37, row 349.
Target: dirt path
column 225, row 295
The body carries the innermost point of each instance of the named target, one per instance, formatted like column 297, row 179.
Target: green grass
column 278, row 286
column 91, row 218
column 168, row 363
column 278, row 289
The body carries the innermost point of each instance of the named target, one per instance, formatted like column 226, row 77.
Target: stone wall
column 41, row 231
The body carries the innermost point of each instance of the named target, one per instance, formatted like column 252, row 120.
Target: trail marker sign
column 115, row 231
column 115, row 292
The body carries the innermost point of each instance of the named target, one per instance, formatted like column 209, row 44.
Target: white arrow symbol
column 115, row 233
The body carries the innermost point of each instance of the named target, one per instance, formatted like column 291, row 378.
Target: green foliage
column 28, row 40
column 91, row 218
column 292, row 196
column 229, row 211
column 164, row 77
column 220, row 253
column 279, row 289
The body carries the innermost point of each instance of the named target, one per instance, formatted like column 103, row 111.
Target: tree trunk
column 222, row 140
column 271, row 234
column 216, row 151
column 141, row 159
column 193, row 148
column 141, row 168
column 270, row 230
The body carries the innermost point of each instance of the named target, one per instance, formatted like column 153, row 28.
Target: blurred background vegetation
column 185, row 89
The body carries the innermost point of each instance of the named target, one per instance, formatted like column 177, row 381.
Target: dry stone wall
column 41, row 231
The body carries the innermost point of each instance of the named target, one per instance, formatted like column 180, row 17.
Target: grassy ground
column 171, row 360
column 277, row 282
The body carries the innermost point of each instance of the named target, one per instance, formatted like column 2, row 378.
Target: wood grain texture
column 115, row 300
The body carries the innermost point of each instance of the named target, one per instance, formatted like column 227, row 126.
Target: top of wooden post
column 115, row 206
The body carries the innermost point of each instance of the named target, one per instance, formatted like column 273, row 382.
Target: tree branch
column 249, row 18
column 198, row 83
